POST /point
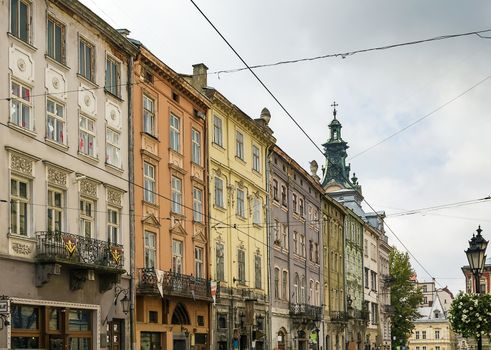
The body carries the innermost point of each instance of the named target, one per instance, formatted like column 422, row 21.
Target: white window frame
column 177, row 256
column 19, row 103
column 86, row 134
column 57, row 121
column 218, row 131
column 196, row 146
column 113, row 225
column 148, row 115
column 239, row 145
column 176, row 190
column 150, row 249
column 87, row 217
column 17, row 201
column 175, row 133
column 149, row 183
column 219, row 199
column 83, row 65
column 54, row 209
column 113, row 147
column 256, row 159
column 240, row 208
column 198, row 258
column 197, row 204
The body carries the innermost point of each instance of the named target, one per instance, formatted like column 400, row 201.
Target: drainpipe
column 268, row 249
column 131, row 191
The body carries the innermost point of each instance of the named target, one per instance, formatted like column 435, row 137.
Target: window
column 302, row 245
column 311, row 292
column 55, row 120
column 177, row 252
column 296, row 284
column 374, row 313
column 148, row 115
column 86, row 136
column 317, row 294
column 239, row 145
column 302, row 290
column 113, row 76
column 284, row 229
column 196, row 149
column 311, row 250
column 148, row 183
column 295, row 242
column 437, row 334
column 217, row 131
column 256, row 160
column 316, row 253
column 150, row 249
column 56, row 40
column 367, row 283
column 19, row 206
column 294, row 202
column 275, row 189
column 176, row 195
column 257, row 272
column 175, row 133
column 241, row 266
column 240, row 210
column 423, row 334
column 21, row 109
column 87, row 217
column 300, row 207
column 197, row 205
column 113, row 225
column 198, row 258
column 417, row 334
column 113, row 148
column 55, row 210
column 374, row 280
column 283, row 195
column 220, row 262
column 276, row 283
column 86, row 59
column 256, row 214
column 20, row 19
column 284, row 285
column 276, row 230
column 219, row 192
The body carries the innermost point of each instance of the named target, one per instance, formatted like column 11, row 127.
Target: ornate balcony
column 71, row 249
column 150, row 281
column 83, row 256
column 338, row 316
column 306, row 311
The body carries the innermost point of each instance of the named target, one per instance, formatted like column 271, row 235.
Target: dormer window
column 437, row 313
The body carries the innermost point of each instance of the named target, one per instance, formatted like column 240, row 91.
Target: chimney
column 199, row 79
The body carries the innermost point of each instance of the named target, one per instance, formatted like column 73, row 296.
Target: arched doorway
column 282, row 339
column 180, row 317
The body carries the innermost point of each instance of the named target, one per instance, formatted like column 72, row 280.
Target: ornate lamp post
column 476, row 255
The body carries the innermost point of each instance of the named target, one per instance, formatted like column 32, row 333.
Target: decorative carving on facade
column 21, row 164
column 87, row 100
column 21, row 64
column 113, row 115
column 176, row 159
column 197, row 172
column 55, row 82
column 114, row 197
column 57, row 177
column 88, row 188
column 21, row 248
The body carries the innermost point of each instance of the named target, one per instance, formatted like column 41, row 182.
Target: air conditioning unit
column 91, row 275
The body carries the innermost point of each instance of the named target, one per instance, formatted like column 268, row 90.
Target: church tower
column 335, row 171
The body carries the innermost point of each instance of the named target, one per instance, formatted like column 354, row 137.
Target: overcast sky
column 445, row 158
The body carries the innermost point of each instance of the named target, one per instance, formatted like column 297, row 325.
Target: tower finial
column 334, row 112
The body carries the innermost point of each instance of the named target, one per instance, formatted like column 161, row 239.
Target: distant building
column 432, row 330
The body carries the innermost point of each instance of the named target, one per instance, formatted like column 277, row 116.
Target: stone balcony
column 151, row 281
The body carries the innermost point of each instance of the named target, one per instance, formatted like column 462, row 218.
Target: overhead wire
column 303, row 131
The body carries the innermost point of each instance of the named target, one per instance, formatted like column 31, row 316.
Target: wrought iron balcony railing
column 151, row 281
column 306, row 311
column 338, row 316
column 78, row 250
column 388, row 309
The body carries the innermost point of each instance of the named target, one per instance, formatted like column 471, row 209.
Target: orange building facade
column 171, row 240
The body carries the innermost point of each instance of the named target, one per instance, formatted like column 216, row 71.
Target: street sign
column 4, row 306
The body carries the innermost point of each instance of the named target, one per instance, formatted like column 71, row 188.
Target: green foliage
column 405, row 297
column 470, row 315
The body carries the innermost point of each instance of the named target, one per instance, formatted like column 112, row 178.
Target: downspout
column 268, row 249
column 131, row 176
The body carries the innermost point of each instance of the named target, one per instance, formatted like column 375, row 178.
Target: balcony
column 84, row 257
column 309, row 312
column 70, row 249
column 388, row 309
column 150, row 281
column 338, row 316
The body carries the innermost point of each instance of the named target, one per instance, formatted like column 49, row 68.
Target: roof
column 433, row 313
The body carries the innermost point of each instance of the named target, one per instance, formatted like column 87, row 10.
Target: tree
column 470, row 315
column 405, row 297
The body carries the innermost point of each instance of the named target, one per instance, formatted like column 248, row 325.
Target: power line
column 351, row 53
column 421, row 118
column 300, row 127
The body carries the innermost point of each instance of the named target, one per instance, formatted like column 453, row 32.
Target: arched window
column 180, row 315
column 282, row 339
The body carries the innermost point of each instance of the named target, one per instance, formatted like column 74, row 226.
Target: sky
column 445, row 158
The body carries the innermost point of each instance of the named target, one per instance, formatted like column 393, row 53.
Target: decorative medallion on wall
column 113, row 115
column 55, row 82
column 21, row 64
column 87, row 100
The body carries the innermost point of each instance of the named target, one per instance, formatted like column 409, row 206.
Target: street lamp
column 476, row 255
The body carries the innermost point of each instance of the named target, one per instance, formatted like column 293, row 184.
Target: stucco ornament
column 56, row 177
column 20, row 164
column 114, row 197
